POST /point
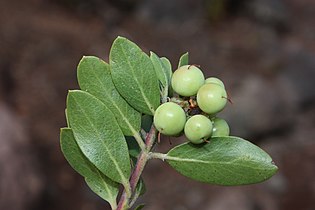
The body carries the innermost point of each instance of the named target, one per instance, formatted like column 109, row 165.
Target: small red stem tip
column 228, row 98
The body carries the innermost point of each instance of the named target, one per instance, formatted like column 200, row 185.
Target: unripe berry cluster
column 194, row 110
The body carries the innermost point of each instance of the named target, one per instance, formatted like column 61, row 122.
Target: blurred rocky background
column 264, row 50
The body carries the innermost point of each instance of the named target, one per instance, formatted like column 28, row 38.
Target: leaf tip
column 274, row 167
column 152, row 54
column 270, row 171
column 70, row 92
column 119, row 39
column 61, row 130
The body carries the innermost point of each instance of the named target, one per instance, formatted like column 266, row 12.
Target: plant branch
column 150, row 139
column 135, row 176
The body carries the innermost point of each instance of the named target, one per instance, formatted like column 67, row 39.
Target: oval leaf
column 159, row 69
column 168, row 70
column 184, row 60
column 222, row 161
column 100, row 184
column 167, row 66
column 74, row 155
column 98, row 135
column 134, row 76
column 94, row 77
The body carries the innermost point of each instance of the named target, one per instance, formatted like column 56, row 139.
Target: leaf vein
column 103, row 143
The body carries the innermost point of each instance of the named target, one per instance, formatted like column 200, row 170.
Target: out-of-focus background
column 264, row 50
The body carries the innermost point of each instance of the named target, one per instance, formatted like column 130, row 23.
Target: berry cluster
column 194, row 110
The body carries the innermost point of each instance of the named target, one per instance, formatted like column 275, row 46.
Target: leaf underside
column 184, row 60
column 167, row 67
column 159, row 70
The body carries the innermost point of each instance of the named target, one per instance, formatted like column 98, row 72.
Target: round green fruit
column 198, row 129
column 211, row 98
column 187, row 80
column 220, row 127
column 214, row 80
column 169, row 119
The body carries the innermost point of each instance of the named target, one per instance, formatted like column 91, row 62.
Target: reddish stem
column 135, row 176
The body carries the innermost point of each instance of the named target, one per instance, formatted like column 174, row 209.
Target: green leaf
column 134, row 76
column 94, row 77
column 222, row 161
column 100, row 184
column 146, row 122
column 133, row 147
column 140, row 189
column 141, row 206
column 168, row 69
column 184, row 60
column 159, row 70
column 98, row 135
column 68, row 124
column 74, row 155
column 167, row 66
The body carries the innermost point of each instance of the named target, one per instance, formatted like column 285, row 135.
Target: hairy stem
column 157, row 155
column 150, row 139
column 124, row 202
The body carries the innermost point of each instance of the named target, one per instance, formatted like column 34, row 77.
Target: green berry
column 220, row 127
column 198, row 128
column 214, row 80
column 211, row 98
column 169, row 119
column 187, row 80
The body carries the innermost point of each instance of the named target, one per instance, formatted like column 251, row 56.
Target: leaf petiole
column 157, row 155
column 139, row 139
